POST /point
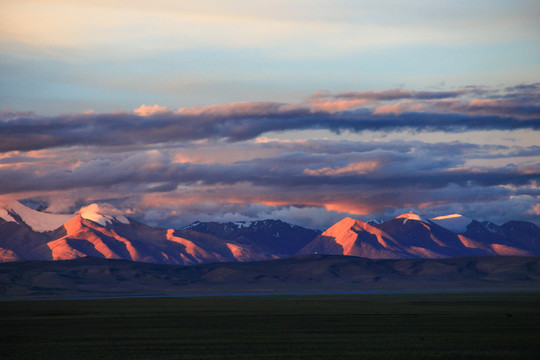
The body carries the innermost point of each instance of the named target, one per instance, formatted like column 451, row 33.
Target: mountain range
column 28, row 234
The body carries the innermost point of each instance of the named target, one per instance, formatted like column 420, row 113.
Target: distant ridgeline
column 27, row 234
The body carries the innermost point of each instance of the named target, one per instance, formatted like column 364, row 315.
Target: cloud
column 312, row 217
column 100, row 209
column 127, row 129
column 352, row 168
column 335, row 105
column 211, row 162
column 535, row 209
column 338, row 176
column 334, row 162
column 242, row 109
column 519, row 101
column 148, row 110
column 451, row 111
column 10, row 114
column 395, row 94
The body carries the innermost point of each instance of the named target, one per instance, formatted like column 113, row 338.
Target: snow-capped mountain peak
column 412, row 216
column 454, row 222
column 242, row 224
column 192, row 225
column 102, row 215
column 14, row 211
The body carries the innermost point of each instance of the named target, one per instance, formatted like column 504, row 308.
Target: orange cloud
column 353, row 168
column 399, row 108
column 186, row 199
column 148, row 110
column 535, row 210
column 486, row 102
column 337, row 105
column 350, row 208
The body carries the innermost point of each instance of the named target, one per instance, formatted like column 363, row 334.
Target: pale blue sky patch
column 276, row 49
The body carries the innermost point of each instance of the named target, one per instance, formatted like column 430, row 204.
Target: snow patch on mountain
column 227, row 225
column 375, row 221
column 5, row 215
column 37, row 220
column 242, row 224
column 102, row 214
column 454, row 222
column 412, row 216
column 190, row 226
column 491, row 227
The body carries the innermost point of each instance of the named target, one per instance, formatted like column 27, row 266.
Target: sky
column 305, row 111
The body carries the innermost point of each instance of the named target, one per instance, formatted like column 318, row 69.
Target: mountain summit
column 356, row 238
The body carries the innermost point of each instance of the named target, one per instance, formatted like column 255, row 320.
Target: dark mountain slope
column 271, row 236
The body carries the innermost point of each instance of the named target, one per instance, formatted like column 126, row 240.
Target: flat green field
column 355, row 326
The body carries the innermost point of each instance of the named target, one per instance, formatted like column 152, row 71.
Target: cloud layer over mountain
column 372, row 153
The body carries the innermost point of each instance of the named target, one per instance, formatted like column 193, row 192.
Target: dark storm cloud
column 452, row 111
column 379, row 169
column 524, row 88
column 398, row 94
column 438, row 149
column 506, row 107
column 127, row 129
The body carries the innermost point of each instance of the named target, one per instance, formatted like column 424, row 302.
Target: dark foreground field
column 354, row 326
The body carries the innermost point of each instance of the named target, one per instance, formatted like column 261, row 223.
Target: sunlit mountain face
column 27, row 234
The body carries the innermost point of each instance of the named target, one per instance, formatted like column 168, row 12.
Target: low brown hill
column 90, row 277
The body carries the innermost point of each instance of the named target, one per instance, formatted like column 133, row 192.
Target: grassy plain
column 335, row 326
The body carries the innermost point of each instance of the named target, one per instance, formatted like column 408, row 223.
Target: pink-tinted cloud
column 350, row 169
column 148, row 110
column 535, row 209
column 399, row 108
column 358, row 179
column 338, row 105
column 241, row 109
column 520, row 101
column 384, row 101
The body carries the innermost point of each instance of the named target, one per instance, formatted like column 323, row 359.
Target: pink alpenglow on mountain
column 104, row 232
column 412, row 216
column 413, row 236
column 355, row 238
